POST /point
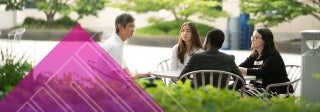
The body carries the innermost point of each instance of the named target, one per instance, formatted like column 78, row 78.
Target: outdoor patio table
column 175, row 74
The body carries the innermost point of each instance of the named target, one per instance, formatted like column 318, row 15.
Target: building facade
column 105, row 20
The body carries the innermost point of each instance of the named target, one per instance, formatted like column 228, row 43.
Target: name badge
column 258, row 62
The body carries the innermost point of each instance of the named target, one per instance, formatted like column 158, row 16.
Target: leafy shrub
column 33, row 23
column 149, row 31
column 182, row 97
column 62, row 23
column 65, row 22
column 170, row 28
column 12, row 70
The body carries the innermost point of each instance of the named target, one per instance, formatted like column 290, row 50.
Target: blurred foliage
column 63, row 7
column 181, row 97
column 180, row 9
column 12, row 70
column 272, row 12
column 170, row 28
column 317, row 76
column 13, row 4
column 62, row 23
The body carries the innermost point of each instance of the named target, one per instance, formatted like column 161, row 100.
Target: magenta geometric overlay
column 79, row 76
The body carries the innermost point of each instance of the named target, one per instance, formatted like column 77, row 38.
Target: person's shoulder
column 109, row 39
column 198, row 50
column 273, row 53
column 107, row 42
column 228, row 56
column 198, row 54
column 175, row 46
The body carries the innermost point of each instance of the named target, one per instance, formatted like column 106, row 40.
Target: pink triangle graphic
column 78, row 75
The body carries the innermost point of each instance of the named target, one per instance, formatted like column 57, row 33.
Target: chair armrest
column 287, row 84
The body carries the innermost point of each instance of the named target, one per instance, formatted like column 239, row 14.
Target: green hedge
column 170, row 28
column 182, row 97
column 61, row 23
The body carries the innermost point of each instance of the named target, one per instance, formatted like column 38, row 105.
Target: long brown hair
column 269, row 46
column 195, row 39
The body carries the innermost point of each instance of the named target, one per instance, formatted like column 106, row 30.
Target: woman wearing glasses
column 265, row 62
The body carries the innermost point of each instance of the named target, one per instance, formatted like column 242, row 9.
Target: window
column 30, row 4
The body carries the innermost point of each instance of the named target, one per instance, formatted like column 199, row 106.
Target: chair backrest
column 287, row 84
column 294, row 73
column 16, row 33
column 217, row 78
column 163, row 65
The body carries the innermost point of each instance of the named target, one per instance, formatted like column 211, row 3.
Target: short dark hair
column 123, row 19
column 215, row 37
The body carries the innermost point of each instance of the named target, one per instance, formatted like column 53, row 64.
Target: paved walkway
column 140, row 58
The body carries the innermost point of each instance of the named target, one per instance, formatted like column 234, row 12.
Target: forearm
column 136, row 75
column 243, row 70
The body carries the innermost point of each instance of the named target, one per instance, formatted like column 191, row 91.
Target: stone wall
column 283, row 46
column 46, row 34
column 291, row 46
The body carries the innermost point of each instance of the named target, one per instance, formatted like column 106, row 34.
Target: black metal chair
column 294, row 74
column 217, row 78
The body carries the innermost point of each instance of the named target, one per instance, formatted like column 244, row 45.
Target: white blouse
column 175, row 62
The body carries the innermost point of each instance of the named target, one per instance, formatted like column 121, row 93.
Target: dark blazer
column 212, row 59
column 272, row 70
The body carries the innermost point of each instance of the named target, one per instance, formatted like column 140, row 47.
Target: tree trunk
column 316, row 16
column 50, row 19
column 316, row 2
column 186, row 17
column 174, row 14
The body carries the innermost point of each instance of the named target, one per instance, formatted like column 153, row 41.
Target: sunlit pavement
column 138, row 58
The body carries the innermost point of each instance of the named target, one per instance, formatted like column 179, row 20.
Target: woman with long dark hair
column 188, row 43
column 265, row 62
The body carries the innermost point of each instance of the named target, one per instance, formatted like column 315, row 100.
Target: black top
column 269, row 68
column 212, row 60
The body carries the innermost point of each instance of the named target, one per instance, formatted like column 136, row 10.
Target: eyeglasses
column 255, row 37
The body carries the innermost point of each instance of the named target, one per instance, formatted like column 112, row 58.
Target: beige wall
column 283, row 31
column 290, row 30
column 6, row 18
column 105, row 20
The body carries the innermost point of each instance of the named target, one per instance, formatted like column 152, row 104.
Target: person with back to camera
column 266, row 63
column 212, row 58
column 188, row 43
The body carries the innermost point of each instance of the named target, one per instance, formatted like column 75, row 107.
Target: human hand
column 141, row 75
column 243, row 70
column 148, row 74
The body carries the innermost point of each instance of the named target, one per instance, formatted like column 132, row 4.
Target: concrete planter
column 48, row 34
column 289, row 47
